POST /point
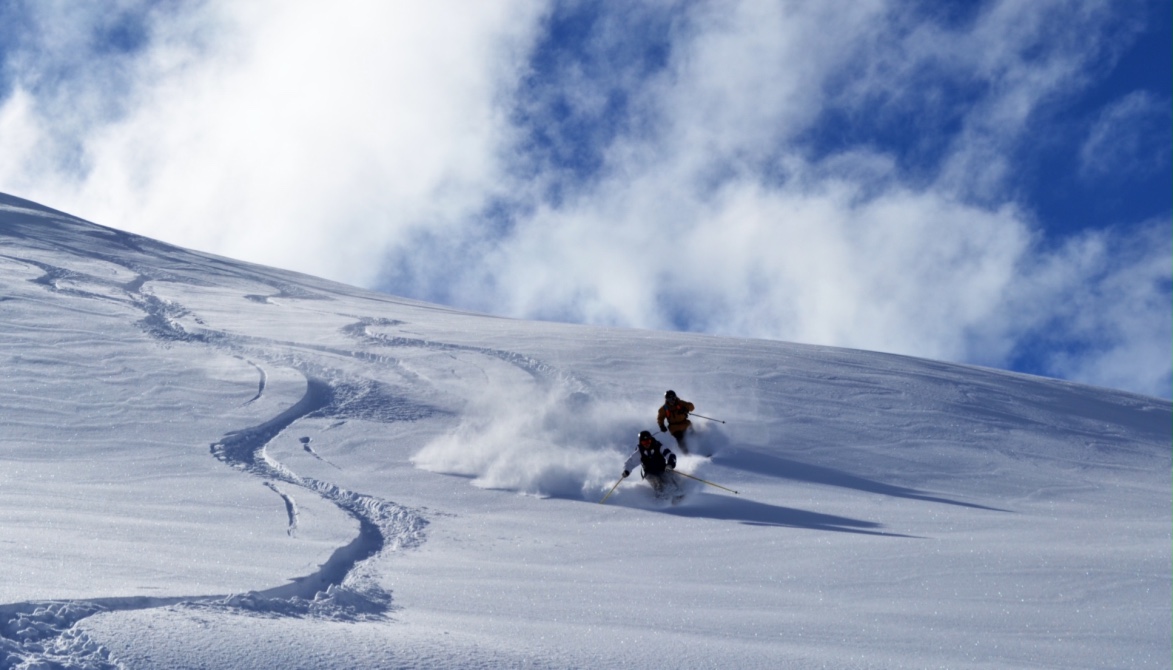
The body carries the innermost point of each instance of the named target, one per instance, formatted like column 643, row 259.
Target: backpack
column 653, row 459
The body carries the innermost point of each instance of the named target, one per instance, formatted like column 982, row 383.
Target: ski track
column 305, row 445
column 290, row 507
column 261, row 383
column 47, row 634
column 540, row 371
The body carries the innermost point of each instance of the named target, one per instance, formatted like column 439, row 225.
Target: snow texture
column 211, row 464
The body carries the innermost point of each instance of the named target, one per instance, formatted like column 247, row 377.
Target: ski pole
column 611, row 491
column 703, row 481
column 701, row 416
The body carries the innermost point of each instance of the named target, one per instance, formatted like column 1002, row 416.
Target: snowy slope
column 205, row 463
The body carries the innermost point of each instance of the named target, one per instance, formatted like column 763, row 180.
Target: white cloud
column 1106, row 296
column 1130, row 137
column 294, row 133
column 19, row 133
column 794, row 264
column 1019, row 57
column 715, row 219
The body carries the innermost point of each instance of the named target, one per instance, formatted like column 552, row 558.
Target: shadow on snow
column 785, row 468
column 755, row 513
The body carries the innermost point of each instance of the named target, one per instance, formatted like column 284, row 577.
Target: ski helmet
column 670, row 395
column 644, row 435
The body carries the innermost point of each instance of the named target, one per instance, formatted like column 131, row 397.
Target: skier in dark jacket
column 655, row 459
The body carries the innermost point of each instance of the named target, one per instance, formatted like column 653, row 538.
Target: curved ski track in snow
column 46, row 634
column 540, row 371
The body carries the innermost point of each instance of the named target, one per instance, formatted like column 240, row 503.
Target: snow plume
column 540, row 441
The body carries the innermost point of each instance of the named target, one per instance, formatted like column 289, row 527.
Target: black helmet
column 644, row 435
column 670, row 395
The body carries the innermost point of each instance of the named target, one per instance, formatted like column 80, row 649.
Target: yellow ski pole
column 703, row 481
column 611, row 491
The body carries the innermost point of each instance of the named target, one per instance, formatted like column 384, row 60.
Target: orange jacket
column 676, row 416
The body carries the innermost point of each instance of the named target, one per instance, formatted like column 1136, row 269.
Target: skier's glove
column 672, row 461
column 625, row 473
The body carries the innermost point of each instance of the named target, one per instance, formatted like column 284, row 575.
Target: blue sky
column 983, row 182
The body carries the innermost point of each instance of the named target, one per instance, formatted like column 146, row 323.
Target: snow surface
column 211, row 464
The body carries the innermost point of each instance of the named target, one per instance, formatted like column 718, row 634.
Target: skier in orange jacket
column 673, row 418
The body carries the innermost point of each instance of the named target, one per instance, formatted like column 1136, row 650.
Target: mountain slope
column 208, row 463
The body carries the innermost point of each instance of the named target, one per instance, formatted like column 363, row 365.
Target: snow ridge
column 42, row 635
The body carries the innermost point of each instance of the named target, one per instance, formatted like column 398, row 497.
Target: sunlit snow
column 211, row 464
